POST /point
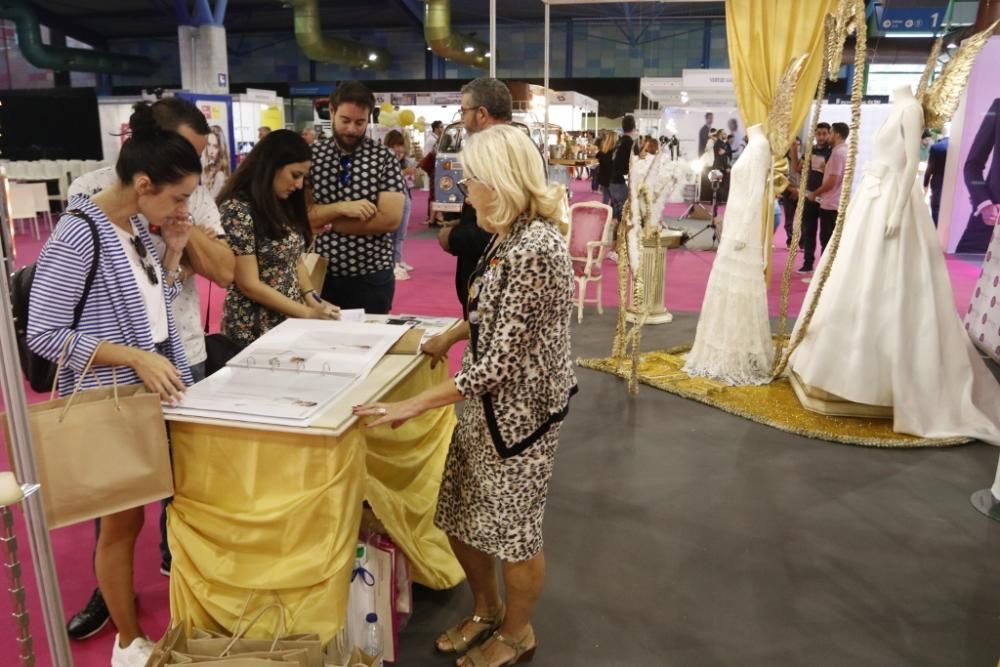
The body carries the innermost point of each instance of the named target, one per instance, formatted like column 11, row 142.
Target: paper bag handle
column 60, row 360
column 79, row 382
column 240, row 632
column 312, row 244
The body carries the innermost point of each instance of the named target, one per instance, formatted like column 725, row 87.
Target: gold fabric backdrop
column 763, row 36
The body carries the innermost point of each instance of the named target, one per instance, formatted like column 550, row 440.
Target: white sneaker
column 400, row 273
column 135, row 654
column 612, row 256
column 406, row 266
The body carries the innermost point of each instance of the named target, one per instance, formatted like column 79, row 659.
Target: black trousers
column 788, row 205
column 372, row 291
column 827, row 223
column 810, row 225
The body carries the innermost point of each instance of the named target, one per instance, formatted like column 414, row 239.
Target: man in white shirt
column 437, row 129
column 207, row 254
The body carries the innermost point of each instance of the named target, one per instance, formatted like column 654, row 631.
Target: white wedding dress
column 733, row 341
column 886, row 331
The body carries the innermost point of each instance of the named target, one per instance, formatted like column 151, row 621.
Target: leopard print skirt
column 494, row 505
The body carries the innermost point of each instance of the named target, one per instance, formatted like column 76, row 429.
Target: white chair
column 15, row 169
column 48, row 169
column 40, row 191
column 591, row 234
column 22, row 205
column 33, row 169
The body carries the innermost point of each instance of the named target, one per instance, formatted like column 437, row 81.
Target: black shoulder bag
column 39, row 371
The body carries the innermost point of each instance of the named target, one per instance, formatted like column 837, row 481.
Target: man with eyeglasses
column 356, row 203
column 485, row 102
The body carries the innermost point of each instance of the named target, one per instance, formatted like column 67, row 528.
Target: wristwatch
column 175, row 274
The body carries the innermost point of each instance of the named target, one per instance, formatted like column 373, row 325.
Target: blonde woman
column 517, row 377
column 215, row 161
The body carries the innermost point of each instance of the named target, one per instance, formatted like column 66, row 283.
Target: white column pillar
column 204, row 60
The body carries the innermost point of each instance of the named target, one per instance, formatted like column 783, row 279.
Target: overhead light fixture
column 372, row 57
column 488, row 54
column 469, row 48
column 951, row 45
column 429, row 48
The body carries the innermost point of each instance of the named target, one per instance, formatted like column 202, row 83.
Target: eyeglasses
column 345, row 169
column 464, row 109
column 463, row 185
column 145, row 261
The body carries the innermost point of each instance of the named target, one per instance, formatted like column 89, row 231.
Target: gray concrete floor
column 677, row 534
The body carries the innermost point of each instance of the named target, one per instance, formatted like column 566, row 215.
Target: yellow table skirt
column 269, row 511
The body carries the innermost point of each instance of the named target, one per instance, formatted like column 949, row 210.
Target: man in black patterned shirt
column 356, row 205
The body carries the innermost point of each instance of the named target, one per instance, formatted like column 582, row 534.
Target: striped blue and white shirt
column 114, row 311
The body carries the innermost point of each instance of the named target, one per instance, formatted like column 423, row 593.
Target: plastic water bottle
column 373, row 639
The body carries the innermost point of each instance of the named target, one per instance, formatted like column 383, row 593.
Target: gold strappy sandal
column 524, row 650
column 460, row 643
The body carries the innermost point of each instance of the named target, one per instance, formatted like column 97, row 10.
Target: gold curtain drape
column 763, row 37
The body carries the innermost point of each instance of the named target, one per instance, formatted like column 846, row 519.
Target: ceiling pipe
column 64, row 59
column 451, row 45
column 310, row 38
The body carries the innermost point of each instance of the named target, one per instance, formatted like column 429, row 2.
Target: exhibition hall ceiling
column 102, row 20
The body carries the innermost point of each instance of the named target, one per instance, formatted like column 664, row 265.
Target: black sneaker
column 165, row 568
column 90, row 620
column 804, row 270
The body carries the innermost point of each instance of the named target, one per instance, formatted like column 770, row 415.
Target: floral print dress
column 243, row 319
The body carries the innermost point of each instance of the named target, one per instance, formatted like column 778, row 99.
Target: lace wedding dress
column 733, row 341
column 886, row 331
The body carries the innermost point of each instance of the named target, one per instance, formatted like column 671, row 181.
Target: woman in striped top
column 127, row 320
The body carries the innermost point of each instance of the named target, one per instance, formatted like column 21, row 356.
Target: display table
column 585, row 162
column 270, row 508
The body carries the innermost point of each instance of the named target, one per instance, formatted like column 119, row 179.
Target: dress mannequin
column 886, row 331
column 733, row 342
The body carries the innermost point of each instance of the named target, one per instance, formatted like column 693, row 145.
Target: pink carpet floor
column 431, row 292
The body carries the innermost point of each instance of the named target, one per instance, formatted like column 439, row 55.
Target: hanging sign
column 911, row 16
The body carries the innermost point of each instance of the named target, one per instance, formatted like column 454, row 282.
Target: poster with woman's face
column 215, row 161
column 216, row 158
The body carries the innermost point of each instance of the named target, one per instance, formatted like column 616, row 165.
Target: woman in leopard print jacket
column 517, row 376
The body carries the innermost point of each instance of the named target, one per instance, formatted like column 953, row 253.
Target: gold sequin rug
column 774, row 404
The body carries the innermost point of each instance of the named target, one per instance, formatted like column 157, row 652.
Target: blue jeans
column 399, row 235
column 618, row 193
